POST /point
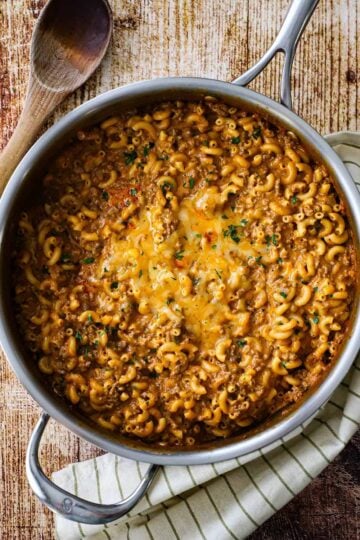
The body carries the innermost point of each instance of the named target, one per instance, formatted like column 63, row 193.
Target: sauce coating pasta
column 188, row 272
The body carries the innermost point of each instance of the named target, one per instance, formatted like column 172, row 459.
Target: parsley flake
column 294, row 199
column 316, row 319
column 191, row 182
column 283, row 294
column 78, row 336
column 133, row 192
column 235, row 140
column 232, row 233
column 114, row 285
column 65, row 257
column 241, row 343
column 271, row 240
column 130, row 157
column 179, row 255
column 105, row 195
column 88, row 260
column 256, row 133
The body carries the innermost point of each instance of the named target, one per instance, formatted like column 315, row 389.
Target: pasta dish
column 187, row 272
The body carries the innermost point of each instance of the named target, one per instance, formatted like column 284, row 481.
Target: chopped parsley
column 147, row 149
column 198, row 235
column 106, row 269
column 244, row 222
column 191, row 182
column 235, row 140
column 283, row 294
column 316, row 319
column 218, row 273
column 105, row 195
column 78, row 336
column 283, row 364
column 165, row 187
column 241, row 343
column 130, row 157
column 294, row 199
column 232, row 233
column 271, row 240
column 315, row 289
column 114, row 285
column 90, row 319
column 279, row 261
column 153, row 375
column 179, row 255
column 140, row 273
column 133, row 192
column 164, row 157
column 65, row 257
column 88, row 260
column 214, row 246
column 196, row 281
column 256, row 133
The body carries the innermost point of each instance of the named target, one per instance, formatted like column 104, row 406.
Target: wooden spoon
column 68, row 43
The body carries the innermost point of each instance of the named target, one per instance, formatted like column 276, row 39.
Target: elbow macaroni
column 189, row 272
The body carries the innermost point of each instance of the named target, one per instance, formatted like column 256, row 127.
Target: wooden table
column 154, row 38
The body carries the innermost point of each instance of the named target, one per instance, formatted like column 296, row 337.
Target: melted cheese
column 197, row 250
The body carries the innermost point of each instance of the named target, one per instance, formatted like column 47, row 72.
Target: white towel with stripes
column 227, row 500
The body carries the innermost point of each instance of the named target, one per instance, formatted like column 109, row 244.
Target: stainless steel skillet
column 24, row 184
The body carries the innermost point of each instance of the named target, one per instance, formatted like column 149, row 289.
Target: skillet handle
column 296, row 19
column 68, row 505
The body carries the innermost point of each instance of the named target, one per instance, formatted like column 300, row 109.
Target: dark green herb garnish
column 114, row 285
column 232, row 233
column 315, row 289
column 196, row 281
column 133, row 192
column 65, row 257
column 283, row 294
column 165, row 187
column 241, row 343
column 191, row 182
column 256, row 133
column 140, row 273
column 214, row 246
column 279, row 261
column 283, row 364
column 244, row 222
column 271, row 240
column 179, row 255
column 235, row 140
column 218, row 273
column 147, row 148
column 78, row 336
column 316, row 319
column 88, row 260
column 90, row 319
column 105, row 195
column 130, row 157
column 294, row 199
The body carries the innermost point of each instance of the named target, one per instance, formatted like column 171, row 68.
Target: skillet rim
column 222, row 90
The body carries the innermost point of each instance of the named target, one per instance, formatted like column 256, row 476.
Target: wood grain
column 156, row 38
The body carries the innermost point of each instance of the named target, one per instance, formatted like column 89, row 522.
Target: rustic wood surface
column 154, row 38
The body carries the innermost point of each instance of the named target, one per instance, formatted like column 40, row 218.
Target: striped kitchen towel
column 227, row 500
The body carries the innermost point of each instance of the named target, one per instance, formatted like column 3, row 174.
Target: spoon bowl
column 69, row 41
column 76, row 35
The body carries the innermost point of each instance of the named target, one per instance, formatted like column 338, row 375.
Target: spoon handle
column 39, row 104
